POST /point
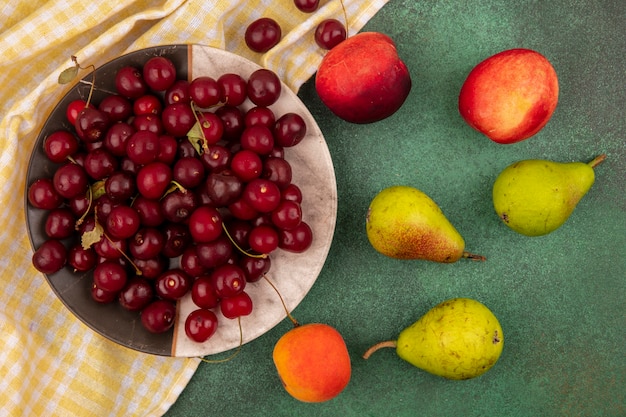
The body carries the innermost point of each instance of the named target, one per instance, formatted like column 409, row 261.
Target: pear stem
column 597, row 160
column 473, row 256
column 381, row 345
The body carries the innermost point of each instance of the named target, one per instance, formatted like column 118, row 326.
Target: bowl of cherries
column 180, row 199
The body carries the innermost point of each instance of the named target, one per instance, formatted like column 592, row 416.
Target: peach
column 362, row 79
column 510, row 96
column 313, row 363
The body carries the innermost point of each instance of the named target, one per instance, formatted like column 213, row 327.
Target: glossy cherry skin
column 137, row 294
column 237, row 306
column 262, row 34
column 307, row 6
column 173, row 284
column 330, row 33
column 158, row 316
column 200, row 325
column 50, row 257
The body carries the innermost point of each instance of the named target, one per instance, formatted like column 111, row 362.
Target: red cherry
column 200, row 325
column 307, row 6
column 153, row 179
column 50, row 257
column 297, row 239
column 59, row 145
column 228, row 280
column 43, row 195
column 237, row 306
column 73, row 109
column 159, row 73
column 158, row 316
column 173, row 284
column 203, row 293
column 136, row 294
column 262, row 34
column 110, row 276
column 330, row 33
column 205, row 224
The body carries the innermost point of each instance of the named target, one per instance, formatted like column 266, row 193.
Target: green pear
column 535, row 197
column 404, row 223
column 459, row 338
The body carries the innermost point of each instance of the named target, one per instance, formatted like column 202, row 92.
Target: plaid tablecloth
column 51, row 364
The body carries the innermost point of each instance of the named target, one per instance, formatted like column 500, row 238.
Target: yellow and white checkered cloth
column 52, row 364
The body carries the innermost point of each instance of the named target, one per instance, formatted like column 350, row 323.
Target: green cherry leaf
column 97, row 189
column 195, row 136
column 67, row 75
column 174, row 186
column 92, row 236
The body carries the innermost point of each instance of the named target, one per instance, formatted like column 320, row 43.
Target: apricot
column 313, row 363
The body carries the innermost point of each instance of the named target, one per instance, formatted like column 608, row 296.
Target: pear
column 404, row 223
column 457, row 339
column 535, row 197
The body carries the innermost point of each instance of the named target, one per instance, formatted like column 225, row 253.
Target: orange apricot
column 313, row 363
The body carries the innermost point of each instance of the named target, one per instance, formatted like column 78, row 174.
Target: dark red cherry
column 307, row 6
column 43, row 195
column 262, row 34
column 205, row 91
column 330, row 33
column 91, row 124
column 263, row 87
column 159, row 73
column 158, row 316
column 116, row 107
column 203, row 293
column 129, row 82
column 50, row 257
column 173, row 284
column 289, row 130
column 137, row 294
column 237, row 306
column 200, row 325
column 59, row 145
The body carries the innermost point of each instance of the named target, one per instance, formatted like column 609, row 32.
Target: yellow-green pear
column 535, row 197
column 459, row 338
column 404, row 223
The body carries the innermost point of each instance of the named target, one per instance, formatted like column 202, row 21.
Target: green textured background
column 560, row 298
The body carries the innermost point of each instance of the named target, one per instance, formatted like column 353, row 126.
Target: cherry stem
column 235, row 353
column 291, row 318
column 345, row 16
column 385, row 344
column 204, row 144
column 597, row 160
column 82, row 218
column 473, row 256
column 174, row 185
column 178, row 186
column 137, row 270
column 239, row 248
column 93, row 77
column 135, row 267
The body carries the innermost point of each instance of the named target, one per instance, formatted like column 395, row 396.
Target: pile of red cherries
column 168, row 187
